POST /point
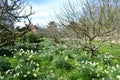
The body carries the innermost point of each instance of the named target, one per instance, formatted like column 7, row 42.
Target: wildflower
column 4, row 55
column 25, row 75
column 37, row 69
column 14, row 75
column 117, row 65
column 1, row 77
column 113, row 68
column 30, row 57
column 106, row 71
column 31, row 52
column 14, row 56
column 94, row 64
column 118, row 76
column 21, row 60
column 66, row 58
column 17, row 67
column 51, row 71
column 31, row 62
column 35, row 75
column 17, row 74
column 103, row 78
column 82, row 61
column 98, row 75
column 7, row 71
column 22, row 51
column 37, row 64
column 20, row 54
column 28, row 72
column 33, row 70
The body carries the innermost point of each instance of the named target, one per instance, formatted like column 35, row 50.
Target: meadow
column 59, row 61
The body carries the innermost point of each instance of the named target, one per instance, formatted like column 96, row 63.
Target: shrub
column 27, row 46
column 47, row 77
column 29, row 37
column 6, row 38
column 59, row 62
column 4, row 65
column 74, row 75
column 6, row 52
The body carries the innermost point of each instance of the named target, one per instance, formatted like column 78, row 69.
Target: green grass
column 113, row 50
column 12, row 60
column 62, row 62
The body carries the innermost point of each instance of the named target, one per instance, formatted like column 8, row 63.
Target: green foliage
column 6, row 52
column 7, row 38
column 114, row 49
column 26, row 67
column 4, row 65
column 29, row 37
column 27, row 46
column 74, row 75
column 59, row 62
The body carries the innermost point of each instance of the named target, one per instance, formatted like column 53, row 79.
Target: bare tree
column 11, row 11
column 91, row 19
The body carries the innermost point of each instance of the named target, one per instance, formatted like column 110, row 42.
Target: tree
column 91, row 19
column 53, row 32
column 10, row 13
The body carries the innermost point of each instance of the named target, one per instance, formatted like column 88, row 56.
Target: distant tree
column 91, row 19
column 53, row 31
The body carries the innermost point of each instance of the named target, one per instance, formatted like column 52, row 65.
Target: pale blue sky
column 44, row 10
column 39, row 1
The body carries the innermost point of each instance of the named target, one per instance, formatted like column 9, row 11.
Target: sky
column 44, row 11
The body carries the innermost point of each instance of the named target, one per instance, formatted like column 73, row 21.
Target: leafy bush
column 59, row 62
column 27, row 46
column 7, row 38
column 74, row 75
column 6, row 51
column 4, row 65
column 29, row 37
column 47, row 77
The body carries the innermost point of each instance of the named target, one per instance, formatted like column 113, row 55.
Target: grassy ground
column 113, row 49
column 62, row 62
